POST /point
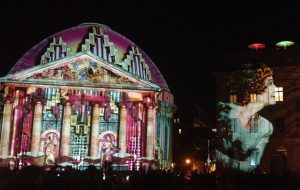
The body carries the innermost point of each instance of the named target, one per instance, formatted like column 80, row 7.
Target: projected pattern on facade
column 242, row 133
column 86, row 95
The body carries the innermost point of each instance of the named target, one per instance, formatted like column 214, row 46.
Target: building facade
column 86, row 96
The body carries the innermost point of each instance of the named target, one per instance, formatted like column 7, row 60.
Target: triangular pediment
column 80, row 70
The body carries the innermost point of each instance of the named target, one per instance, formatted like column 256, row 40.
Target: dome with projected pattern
column 106, row 44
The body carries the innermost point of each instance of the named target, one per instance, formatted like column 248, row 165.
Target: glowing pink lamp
column 257, row 46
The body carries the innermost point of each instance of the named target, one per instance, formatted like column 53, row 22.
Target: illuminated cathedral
column 86, row 96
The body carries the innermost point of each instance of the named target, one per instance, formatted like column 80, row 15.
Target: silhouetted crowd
column 57, row 178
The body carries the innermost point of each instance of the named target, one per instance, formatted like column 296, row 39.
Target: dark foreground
column 35, row 178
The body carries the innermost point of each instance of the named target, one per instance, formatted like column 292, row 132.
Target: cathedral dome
column 116, row 49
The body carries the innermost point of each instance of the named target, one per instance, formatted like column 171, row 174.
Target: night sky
column 186, row 40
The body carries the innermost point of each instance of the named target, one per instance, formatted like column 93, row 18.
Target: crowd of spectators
column 57, row 178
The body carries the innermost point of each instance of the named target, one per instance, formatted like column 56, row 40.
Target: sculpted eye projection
column 242, row 133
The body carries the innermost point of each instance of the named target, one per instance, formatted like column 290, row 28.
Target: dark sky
column 186, row 39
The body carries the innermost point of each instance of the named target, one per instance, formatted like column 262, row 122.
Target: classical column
column 5, row 129
column 170, row 157
column 36, row 130
column 14, row 131
column 150, row 133
column 95, row 131
column 15, row 122
column 122, row 130
column 66, row 129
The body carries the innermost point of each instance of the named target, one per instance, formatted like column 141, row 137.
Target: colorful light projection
column 257, row 46
column 91, row 96
column 242, row 134
column 285, row 44
column 87, row 37
column 76, row 126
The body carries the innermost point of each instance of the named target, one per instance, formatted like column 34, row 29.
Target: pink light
column 147, row 100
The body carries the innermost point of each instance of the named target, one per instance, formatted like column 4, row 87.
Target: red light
column 257, row 46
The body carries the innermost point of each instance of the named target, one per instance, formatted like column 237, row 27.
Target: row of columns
column 150, row 133
column 66, row 130
column 6, row 129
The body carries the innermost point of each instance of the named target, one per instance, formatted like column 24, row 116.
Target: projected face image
column 242, row 133
column 268, row 96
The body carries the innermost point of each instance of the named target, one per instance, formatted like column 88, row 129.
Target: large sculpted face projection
column 242, row 133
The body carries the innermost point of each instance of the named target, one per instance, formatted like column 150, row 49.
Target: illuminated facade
column 86, row 95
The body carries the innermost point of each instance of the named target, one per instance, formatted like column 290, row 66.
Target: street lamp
column 188, row 168
column 187, row 161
